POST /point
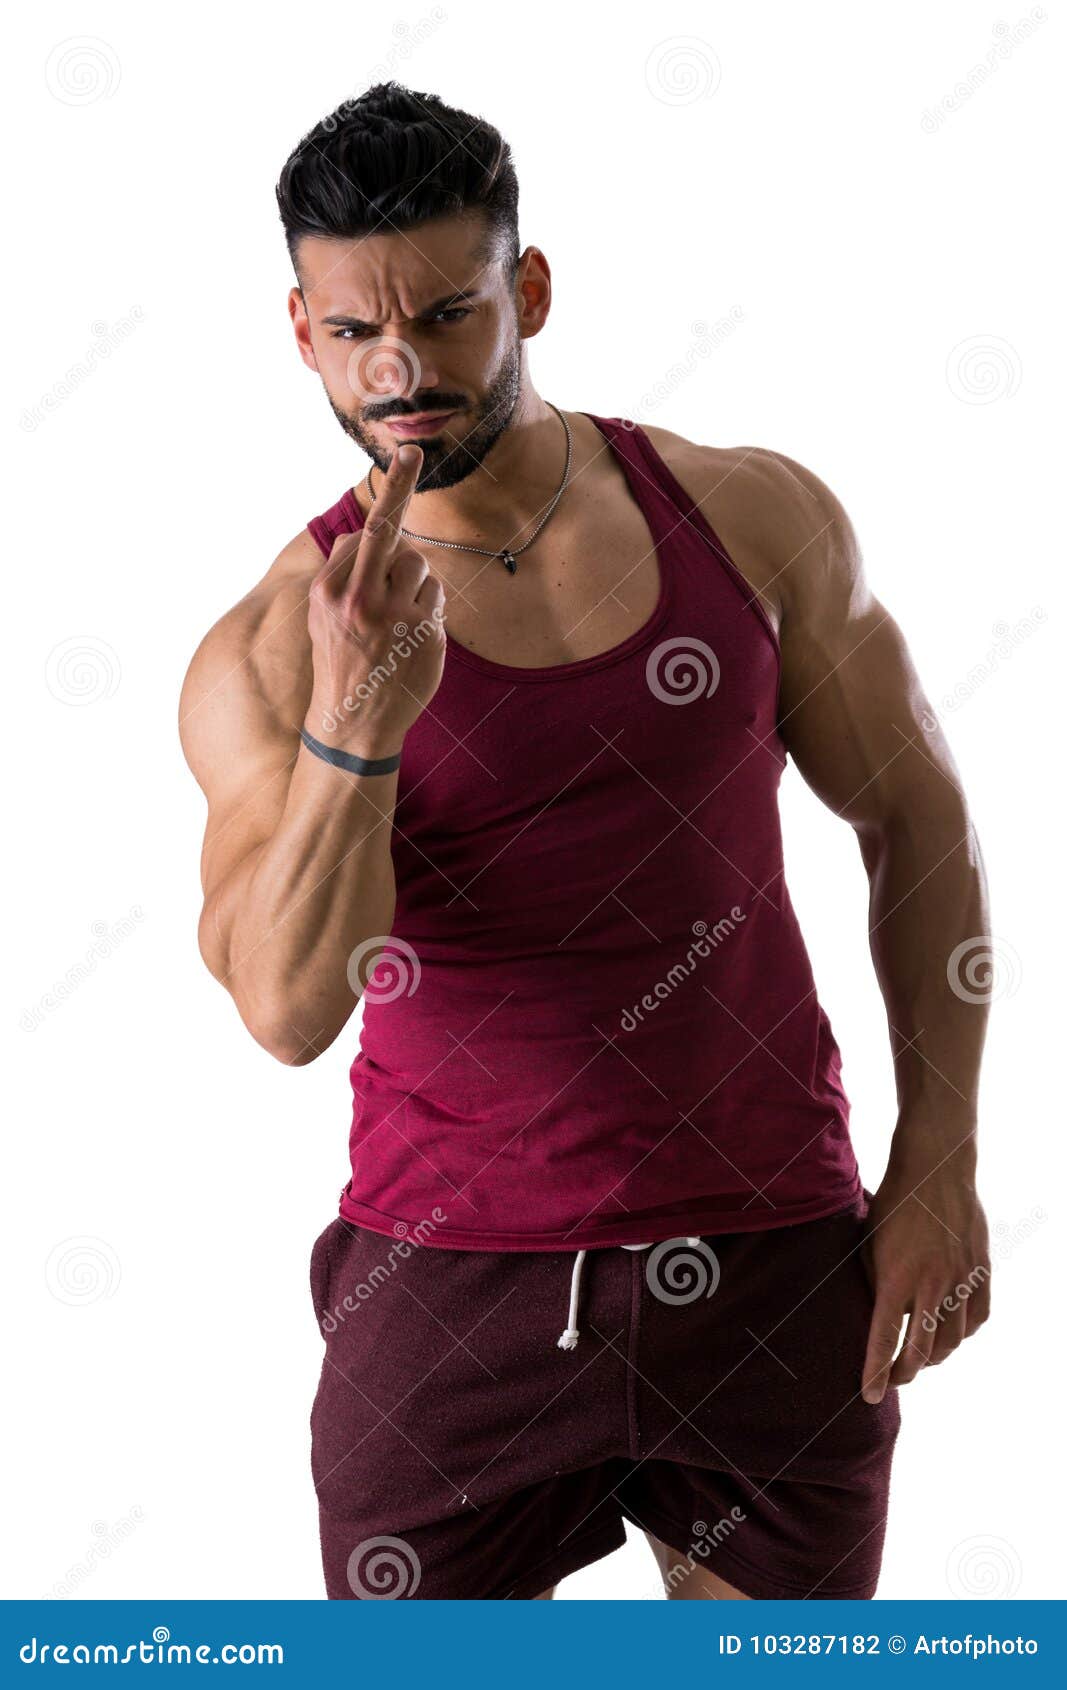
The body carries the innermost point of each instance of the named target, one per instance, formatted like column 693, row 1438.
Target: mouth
column 422, row 425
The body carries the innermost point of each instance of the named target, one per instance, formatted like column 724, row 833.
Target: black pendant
column 507, row 559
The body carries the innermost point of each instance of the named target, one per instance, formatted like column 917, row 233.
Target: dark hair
column 393, row 158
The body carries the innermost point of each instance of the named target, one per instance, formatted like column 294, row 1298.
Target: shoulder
column 252, row 668
column 783, row 527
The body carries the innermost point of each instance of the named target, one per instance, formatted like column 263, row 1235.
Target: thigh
column 757, row 1458
column 456, row 1450
column 683, row 1580
column 517, row 1550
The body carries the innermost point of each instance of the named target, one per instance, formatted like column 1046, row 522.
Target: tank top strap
column 345, row 517
column 633, row 445
column 646, row 466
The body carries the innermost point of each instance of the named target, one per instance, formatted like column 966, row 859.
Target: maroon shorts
column 712, row 1399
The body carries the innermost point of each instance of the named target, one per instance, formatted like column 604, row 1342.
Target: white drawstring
column 568, row 1338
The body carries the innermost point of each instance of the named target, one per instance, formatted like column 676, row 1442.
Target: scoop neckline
column 583, row 665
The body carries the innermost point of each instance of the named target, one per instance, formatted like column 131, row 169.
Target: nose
column 389, row 367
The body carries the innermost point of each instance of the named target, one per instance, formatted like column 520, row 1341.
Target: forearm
column 929, row 922
column 315, row 891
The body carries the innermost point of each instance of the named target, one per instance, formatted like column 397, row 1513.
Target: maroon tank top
column 595, row 1022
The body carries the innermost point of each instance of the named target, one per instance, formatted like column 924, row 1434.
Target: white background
column 677, row 164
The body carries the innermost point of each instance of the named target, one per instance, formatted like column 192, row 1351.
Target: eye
column 449, row 314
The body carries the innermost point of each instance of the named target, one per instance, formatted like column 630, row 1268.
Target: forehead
column 395, row 273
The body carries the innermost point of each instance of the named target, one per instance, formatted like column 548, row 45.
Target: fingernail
column 872, row 1394
column 406, row 455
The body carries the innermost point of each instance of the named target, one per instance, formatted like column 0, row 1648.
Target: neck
column 502, row 500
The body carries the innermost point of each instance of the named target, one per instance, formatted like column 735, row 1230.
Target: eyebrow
column 340, row 320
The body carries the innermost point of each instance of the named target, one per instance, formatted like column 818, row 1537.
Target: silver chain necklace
column 507, row 557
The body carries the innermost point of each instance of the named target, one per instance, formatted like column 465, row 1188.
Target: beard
column 445, row 462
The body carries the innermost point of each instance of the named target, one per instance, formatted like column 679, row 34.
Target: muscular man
column 595, row 1091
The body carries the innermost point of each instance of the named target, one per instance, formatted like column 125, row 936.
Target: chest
column 588, row 582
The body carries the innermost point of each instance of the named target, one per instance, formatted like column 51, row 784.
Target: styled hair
column 393, row 158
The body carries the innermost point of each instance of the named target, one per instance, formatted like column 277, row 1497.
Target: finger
column 385, row 518
column 333, row 575
column 431, row 595
column 918, row 1342
column 407, row 574
column 431, row 604
column 950, row 1334
column 977, row 1312
column 881, row 1346
column 430, row 601
column 866, row 1256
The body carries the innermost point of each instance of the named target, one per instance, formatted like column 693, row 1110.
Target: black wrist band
column 348, row 759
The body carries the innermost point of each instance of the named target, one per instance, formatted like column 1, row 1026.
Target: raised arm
column 864, row 737
column 296, row 866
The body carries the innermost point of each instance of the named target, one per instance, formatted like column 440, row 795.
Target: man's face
column 415, row 338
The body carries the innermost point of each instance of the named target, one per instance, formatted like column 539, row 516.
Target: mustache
column 382, row 413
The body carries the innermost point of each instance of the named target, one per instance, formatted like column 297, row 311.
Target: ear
column 302, row 327
column 533, row 291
